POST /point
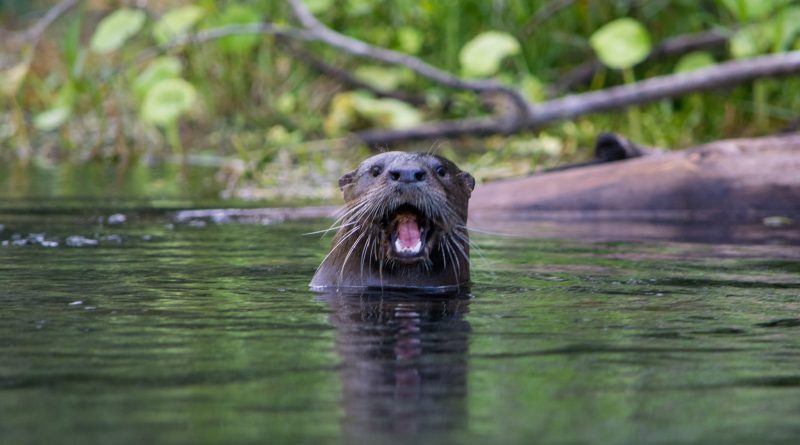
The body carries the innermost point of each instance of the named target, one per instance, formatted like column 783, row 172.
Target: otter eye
column 375, row 170
column 441, row 171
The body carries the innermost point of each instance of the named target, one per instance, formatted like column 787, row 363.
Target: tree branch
column 355, row 47
column 346, row 77
column 572, row 106
column 34, row 33
column 676, row 46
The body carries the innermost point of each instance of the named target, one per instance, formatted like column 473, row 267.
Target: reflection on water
column 404, row 362
column 151, row 331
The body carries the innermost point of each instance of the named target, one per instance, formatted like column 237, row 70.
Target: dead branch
column 572, row 106
column 35, row 32
column 345, row 77
column 355, row 47
column 675, row 46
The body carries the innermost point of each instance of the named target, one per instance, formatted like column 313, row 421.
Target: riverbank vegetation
column 280, row 97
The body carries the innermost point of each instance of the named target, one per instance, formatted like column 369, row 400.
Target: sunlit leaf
column 745, row 10
column 410, row 39
column 166, row 67
column 115, row 29
column 384, row 79
column 52, row 118
column 176, row 23
column 167, row 100
column 621, row 44
column 789, row 26
column 357, row 8
column 387, row 113
column 482, row 55
column 750, row 41
column 318, row 6
column 341, row 114
column 532, row 88
column 694, row 61
column 286, row 103
column 236, row 14
column 11, row 79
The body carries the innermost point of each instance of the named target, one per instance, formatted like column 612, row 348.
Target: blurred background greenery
column 262, row 122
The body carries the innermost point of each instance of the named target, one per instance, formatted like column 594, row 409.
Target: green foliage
column 176, row 23
column 114, row 30
column 167, row 100
column 482, row 55
column 383, row 78
column 745, row 10
column 214, row 93
column 159, row 69
column 694, row 61
column 11, row 79
column 236, row 14
column 621, row 44
column 350, row 109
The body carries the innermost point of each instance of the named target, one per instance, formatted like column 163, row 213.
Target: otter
column 403, row 226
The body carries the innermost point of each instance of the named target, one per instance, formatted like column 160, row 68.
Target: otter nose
column 407, row 174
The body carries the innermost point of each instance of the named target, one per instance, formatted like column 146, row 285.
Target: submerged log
column 740, row 179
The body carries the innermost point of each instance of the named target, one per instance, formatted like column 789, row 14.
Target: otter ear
column 346, row 179
column 469, row 181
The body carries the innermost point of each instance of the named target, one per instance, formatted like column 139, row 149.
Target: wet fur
column 361, row 256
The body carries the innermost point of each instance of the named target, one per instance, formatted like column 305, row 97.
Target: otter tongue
column 408, row 234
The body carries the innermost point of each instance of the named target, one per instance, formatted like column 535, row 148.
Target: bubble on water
column 112, row 238
column 117, row 218
column 76, row 303
column 46, row 243
column 80, row 241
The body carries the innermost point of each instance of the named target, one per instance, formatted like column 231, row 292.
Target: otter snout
column 407, row 174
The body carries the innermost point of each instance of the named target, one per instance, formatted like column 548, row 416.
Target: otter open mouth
column 408, row 230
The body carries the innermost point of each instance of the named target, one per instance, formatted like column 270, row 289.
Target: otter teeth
column 414, row 249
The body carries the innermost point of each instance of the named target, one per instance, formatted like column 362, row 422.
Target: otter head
column 403, row 225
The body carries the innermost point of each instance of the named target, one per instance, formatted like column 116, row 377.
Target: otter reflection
column 404, row 362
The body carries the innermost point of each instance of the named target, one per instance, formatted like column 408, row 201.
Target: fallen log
column 739, row 179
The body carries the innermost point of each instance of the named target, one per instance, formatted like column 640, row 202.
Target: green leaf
column 745, row 10
column 318, row 6
column 52, row 118
column 751, row 41
column 409, row 39
column 384, row 79
column 115, row 29
column 159, row 69
column 621, row 44
column 789, row 26
column 11, row 79
column 167, row 100
column 387, row 113
column 532, row 88
column 237, row 15
column 176, row 23
column 694, row 61
column 359, row 8
column 482, row 55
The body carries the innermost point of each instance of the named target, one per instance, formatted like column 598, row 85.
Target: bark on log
column 740, row 179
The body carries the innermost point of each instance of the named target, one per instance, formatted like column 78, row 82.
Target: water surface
column 134, row 329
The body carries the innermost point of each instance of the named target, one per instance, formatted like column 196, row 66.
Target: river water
column 125, row 327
